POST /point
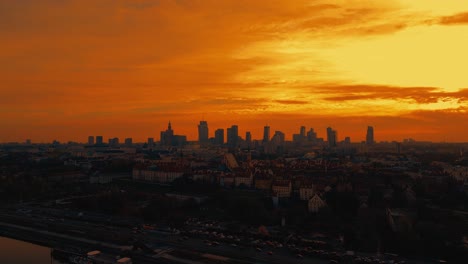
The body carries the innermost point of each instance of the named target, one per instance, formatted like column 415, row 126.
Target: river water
column 18, row 252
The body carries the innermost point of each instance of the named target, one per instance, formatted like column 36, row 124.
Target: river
column 18, row 252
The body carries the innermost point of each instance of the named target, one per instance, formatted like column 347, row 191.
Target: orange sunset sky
column 124, row 68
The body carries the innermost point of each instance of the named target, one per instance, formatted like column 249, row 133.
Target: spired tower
column 167, row 136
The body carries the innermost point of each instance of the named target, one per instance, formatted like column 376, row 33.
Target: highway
column 53, row 232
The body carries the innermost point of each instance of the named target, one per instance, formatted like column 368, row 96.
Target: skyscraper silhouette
column 370, row 135
column 219, row 136
column 167, row 136
column 248, row 137
column 331, row 137
column 203, row 132
column 232, row 136
column 266, row 134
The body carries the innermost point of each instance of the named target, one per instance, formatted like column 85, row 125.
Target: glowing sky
column 124, row 68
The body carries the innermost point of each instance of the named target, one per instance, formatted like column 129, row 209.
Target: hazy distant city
column 233, row 199
column 232, row 138
column 233, row 132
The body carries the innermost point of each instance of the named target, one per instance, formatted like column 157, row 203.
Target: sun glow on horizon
column 317, row 61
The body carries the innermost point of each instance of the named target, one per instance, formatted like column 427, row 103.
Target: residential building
column 281, row 188
column 315, row 204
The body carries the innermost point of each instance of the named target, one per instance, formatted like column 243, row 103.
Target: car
column 259, row 249
column 270, row 253
column 299, row 256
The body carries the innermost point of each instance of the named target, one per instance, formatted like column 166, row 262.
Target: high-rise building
column 266, row 134
column 219, row 136
column 114, row 142
column 150, row 142
column 248, row 137
column 331, row 137
column 347, row 140
column 167, row 137
column 311, row 135
column 370, row 135
column 301, row 137
column 28, row 142
column 203, row 132
column 91, row 140
column 233, row 136
column 128, row 141
column 99, row 140
column 278, row 138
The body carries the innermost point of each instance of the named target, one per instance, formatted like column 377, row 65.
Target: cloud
column 85, row 65
column 420, row 95
column 299, row 102
column 457, row 19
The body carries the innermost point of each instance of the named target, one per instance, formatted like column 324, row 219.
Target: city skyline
column 399, row 65
column 232, row 134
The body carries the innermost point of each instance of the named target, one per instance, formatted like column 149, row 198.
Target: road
column 34, row 229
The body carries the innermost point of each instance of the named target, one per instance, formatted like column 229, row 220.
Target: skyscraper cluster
column 233, row 140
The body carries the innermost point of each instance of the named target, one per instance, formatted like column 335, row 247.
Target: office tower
column 232, row 136
column 266, row 134
column 150, row 142
column 347, row 140
column 331, row 137
column 370, row 135
column 99, row 140
column 248, row 137
column 128, row 141
column 113, row 142
column 169, row 139
column 203, row 132
column 311, row 135
column 219, row 136
column 91, row 140
column 167, row 136
column 301, row 137
column 278, row 138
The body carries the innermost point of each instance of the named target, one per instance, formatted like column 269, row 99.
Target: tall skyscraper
column 266, row 134
column 128, row 141
column 203, row 132
column 232, row 136
column 370, row 135
column 248, row 137
column 331, row 137
column 167, row 137
column 311, row 135
column 219, row 136
column 303, row 131
column 278, row 138
column 99, row 140
column 301, row 137
column 91, row 140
